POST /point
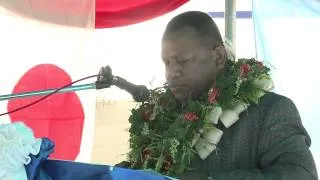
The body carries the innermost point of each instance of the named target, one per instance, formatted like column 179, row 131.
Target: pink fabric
column 115, row 13
column 80, row 13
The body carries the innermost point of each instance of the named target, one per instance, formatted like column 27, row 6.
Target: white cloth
column 17, row 142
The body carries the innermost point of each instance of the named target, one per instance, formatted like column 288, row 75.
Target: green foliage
column 161, row 134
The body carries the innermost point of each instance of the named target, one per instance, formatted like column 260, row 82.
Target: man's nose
column 176, row 70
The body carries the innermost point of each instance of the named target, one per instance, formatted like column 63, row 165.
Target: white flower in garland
column 229, row 117
column 145, row 130
column 204, row 148
column 195, row 139
column 212, row 135
column 232, row 94
column 238, row 84
column 206, row 145
column 214, row 114
column 240, row 107
column 264, row 83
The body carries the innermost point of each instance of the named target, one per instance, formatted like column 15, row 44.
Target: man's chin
column 181, row 97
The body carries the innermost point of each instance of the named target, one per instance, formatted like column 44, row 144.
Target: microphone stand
column 104, row 80
column 47, row 91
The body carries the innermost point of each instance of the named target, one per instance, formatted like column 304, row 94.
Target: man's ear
column 220, row 57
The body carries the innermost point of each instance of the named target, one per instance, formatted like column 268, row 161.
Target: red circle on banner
column 59, row 117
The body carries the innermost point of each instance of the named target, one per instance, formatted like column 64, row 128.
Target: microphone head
column 141, row 94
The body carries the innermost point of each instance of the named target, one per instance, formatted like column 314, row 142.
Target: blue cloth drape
column 42, row 168
column 287, row 34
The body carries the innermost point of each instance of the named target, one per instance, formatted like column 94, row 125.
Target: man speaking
column 215, row 119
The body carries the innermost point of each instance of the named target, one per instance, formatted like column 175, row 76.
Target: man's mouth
column 178, row 88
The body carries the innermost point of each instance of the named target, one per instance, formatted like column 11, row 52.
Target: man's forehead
column 174, row 49
column 178, row 47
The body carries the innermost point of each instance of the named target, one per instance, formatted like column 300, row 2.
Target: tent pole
column 230, row 23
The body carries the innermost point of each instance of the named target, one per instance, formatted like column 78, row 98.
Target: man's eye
column 166, row 62
column 182, row 61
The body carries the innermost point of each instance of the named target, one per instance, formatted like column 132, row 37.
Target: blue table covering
column 42, row 168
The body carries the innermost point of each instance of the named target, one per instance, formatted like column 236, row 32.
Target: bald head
column 193, row 54
column 196, row 25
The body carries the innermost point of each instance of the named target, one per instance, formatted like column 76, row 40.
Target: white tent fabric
column 287, row 34
column 28, row 43
column 132, row 51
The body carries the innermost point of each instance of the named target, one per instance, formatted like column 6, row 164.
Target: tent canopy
column 108, row 13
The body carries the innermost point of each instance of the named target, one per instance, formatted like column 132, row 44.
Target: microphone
column 140, row 93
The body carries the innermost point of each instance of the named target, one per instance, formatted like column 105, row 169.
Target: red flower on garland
column 190, row 116
column 146, row 112
column 213, row 95
column 146, row 116
column 245, row 69
column 168, row 161
column 145, row 154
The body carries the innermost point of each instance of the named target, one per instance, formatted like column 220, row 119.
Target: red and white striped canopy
column 108, row 13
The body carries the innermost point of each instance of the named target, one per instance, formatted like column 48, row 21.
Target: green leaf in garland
column 159, row 163
column 166, row 128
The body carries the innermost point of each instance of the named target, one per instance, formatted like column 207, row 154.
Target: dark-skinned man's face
column 190, row 66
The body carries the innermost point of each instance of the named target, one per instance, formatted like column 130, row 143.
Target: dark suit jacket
column 268, row 142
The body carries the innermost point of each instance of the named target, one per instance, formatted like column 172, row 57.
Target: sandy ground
column 111, row 131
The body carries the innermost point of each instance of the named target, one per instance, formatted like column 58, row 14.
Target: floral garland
column 165, row 136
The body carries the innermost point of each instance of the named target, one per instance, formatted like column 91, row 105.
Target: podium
column 24, row 157
column 42, row 168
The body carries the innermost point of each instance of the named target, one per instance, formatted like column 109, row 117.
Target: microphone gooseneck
column 140, row 93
